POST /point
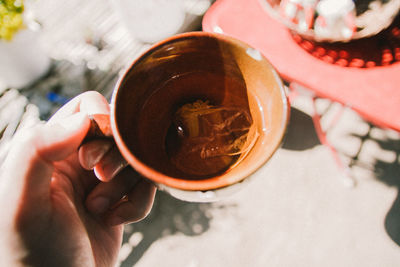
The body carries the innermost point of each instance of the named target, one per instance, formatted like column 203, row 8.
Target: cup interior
column 183, row 69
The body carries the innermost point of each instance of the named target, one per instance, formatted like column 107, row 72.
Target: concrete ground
column 297, row 210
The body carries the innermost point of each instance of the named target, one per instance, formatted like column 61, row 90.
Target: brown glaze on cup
column 183, row 69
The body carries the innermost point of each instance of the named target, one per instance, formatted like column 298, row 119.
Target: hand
column 55, row 211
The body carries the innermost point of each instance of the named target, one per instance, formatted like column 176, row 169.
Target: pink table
column 364, row 75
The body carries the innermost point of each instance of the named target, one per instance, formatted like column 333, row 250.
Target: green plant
column 10, row 18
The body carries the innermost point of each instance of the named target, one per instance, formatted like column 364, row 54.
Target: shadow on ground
column 300, row 134
column 387, row 172
column 168, row 217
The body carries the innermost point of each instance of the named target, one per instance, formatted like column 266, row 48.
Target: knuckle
column 92, row 94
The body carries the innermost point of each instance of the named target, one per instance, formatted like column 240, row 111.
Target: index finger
column 90, row 102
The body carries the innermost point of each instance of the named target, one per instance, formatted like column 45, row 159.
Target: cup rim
column 177, row 183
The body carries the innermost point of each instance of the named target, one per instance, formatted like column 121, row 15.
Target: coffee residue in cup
column 205, row 140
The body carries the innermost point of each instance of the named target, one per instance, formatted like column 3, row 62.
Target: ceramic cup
column 182, row 69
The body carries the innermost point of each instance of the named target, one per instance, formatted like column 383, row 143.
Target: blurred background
column 297, row 210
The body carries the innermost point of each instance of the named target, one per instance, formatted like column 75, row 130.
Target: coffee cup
column 222, row 84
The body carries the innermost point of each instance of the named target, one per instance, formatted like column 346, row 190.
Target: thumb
column 29, row 165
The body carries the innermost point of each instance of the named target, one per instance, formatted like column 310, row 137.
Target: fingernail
column 96, row 154
column 110, row 166
column 116, row 168
column 116, row 220
column 99, row 205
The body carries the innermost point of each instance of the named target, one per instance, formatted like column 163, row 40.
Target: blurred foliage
column 10, row 18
